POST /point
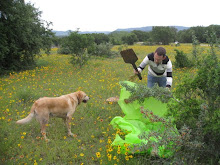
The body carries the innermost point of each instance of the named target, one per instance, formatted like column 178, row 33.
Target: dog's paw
column 71, row 134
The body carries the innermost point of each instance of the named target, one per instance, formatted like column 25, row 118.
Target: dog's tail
column 29, row 117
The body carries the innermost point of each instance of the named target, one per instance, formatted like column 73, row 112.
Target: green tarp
column 134, row 124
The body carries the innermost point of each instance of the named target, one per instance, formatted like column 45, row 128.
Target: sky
column 109, row 15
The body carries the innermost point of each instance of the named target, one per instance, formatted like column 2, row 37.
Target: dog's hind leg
column 43, row 120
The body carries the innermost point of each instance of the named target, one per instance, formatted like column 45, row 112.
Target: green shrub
column 63, row 50
column 77, row 45
column 199, row 110
column 103, row 50
column 80, row 59
column 181, row 60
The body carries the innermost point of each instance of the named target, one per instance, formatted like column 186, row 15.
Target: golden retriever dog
column 63, row 107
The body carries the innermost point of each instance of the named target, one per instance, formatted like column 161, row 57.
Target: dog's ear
column 80, row 96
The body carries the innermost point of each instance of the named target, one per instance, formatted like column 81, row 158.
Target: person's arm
column 169, row 74
column 143, row 64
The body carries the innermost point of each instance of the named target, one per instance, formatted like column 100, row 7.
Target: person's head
column 159, row 55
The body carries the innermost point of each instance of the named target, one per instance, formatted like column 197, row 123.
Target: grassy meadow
column 55, row 76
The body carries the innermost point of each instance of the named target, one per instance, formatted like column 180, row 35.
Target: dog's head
column 82, row 97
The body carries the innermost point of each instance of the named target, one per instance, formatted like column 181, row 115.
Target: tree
column 78, row 45
column 22, row 35
column 57, row 41
column 163, row 34
column 141, row 35
column 100, row 38
column 116, row 37
column 130, row 39
column 199, row 32
column 213, row 30
column 185, row 36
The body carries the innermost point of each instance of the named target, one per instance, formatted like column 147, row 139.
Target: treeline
column 81, row 46
column 159, row 35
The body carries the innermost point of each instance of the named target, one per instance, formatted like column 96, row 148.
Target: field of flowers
column 55, row 76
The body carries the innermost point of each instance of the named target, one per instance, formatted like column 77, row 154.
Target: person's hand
column 135, row 72
column 168, row 87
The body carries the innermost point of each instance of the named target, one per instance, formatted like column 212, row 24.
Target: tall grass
column 55, row 76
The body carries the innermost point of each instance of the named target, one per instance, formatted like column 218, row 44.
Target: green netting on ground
column 134, row 124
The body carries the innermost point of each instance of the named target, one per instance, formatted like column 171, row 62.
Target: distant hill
column 147, row 29
column 61, row 33
column 66, row 33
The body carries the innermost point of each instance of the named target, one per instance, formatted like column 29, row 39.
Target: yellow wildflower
column 98, row 154
column 109, row 141
column 109, row 157
column 35, row 162
column 127, row 158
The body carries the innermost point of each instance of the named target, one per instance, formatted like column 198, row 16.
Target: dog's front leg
column 68, row 125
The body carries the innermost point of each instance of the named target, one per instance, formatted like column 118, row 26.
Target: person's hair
column 160, row 51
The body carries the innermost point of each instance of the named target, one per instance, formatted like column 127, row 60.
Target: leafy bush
column 129, row 39
column 199, row 109
column 140, row 92
column 77, row 45
column 63, row 51
column 103, row 50
column 195, row 110
column 182, row 60
column 80, row 59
